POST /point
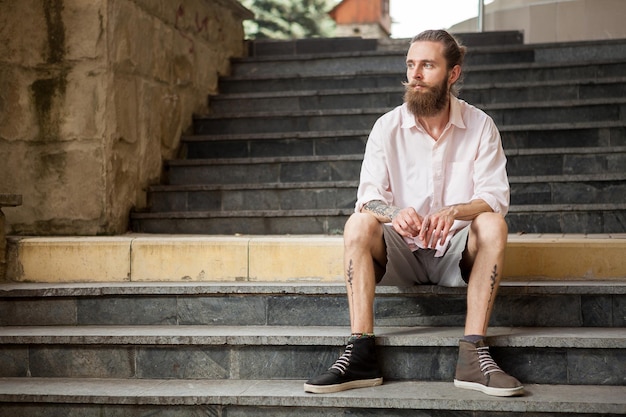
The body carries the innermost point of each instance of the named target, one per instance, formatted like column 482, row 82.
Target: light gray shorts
column 405, row 268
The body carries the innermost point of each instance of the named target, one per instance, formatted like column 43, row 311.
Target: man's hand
column 407, row 222
column 436, row 227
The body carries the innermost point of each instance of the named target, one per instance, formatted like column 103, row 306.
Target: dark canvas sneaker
column 476, row 370
column 356, row 368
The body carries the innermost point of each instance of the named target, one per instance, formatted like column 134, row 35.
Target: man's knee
column 490, row 229
column 362, row 228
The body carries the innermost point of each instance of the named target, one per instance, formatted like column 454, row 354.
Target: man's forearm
column 469, row 211
column 383, row 212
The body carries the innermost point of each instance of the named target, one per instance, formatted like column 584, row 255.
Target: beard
column 429, row 102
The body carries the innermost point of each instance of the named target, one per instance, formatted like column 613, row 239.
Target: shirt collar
column 456, row 118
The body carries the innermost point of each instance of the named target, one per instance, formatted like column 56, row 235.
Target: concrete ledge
column 415, row 395
column 157, row 258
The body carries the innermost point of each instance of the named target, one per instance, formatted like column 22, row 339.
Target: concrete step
column 523, row 301
column 272, row 47
column 265, row 196
column 576, row 189
column 535, row 113
column 255, row 145
column 264, row 170
column 317, row 64
column 553, row 218
column 591, row 356
column 352, row 142
column 351, row 78
column 140, row 258
column 553, row 90
column 23, row 397
column 335, row 63
column 603, row 162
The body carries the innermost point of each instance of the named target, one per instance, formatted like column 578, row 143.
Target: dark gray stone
column 82, row 362
column 126, row 310
column 183, row 362
column 596, row 367
column 229, row 310
column 41, row 312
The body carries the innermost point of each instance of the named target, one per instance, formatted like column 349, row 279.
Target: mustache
column 414, row 84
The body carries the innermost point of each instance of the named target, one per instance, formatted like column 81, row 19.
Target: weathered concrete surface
column 94, row 95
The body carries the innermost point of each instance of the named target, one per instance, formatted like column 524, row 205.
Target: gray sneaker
column 476, row 370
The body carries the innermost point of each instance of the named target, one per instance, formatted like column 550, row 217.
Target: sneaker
column 476, row 370
column 356, row 368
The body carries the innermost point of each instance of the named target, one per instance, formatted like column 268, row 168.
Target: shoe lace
column 486, row 362
column 342, row 363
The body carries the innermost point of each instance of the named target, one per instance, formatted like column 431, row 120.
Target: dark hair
column 453, row 50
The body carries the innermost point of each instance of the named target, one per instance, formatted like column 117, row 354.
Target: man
column 430, row 210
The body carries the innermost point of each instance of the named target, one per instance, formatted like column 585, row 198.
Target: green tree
column 289, row 19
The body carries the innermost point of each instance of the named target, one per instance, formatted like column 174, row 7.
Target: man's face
column 427, row 87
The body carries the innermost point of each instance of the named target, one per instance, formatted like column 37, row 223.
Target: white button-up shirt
column 405, row 167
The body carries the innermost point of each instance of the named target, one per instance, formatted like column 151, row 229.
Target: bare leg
column 363, row 243
column 485, row 251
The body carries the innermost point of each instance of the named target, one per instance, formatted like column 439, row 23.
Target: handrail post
column 481, row 15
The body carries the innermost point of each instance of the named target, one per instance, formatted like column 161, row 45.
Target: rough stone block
column 71, row 259
column 214, row 259
column 278, row 259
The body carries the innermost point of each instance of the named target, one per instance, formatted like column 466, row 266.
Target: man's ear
column 455, row 73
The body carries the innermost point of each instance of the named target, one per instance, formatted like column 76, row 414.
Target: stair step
column 589, row 110
column 525, row 190
column 526, row 302
column 264, row 196
column 558, row 355
column 226, row 104
column 558, row 219
column 316, row 258
column 287, row 398
column 393, row 77
column 268, row 170
column 320, row 143
column 202, row 335
column 601, row 163
column 256, row 145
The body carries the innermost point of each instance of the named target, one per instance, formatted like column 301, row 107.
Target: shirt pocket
column 459, row 183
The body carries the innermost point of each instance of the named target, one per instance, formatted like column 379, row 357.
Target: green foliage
column 289, row 19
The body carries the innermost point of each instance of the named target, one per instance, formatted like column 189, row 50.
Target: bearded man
column 430, row 209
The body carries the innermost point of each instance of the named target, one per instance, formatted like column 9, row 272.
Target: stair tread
column 289, row 393
column 202, row 214
column 322, row 133
column 545, row 337
column 358, row 157
column 354, row 184
column 381, row 110
column 368, row 90
column 90, row 289
column 469, row 69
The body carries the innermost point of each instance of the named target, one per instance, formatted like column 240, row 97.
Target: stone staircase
column 244, row 349
column 281, row 151
column 231, row 326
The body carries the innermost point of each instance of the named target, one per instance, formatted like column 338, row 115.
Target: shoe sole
column 498, row 392
column 327, row 389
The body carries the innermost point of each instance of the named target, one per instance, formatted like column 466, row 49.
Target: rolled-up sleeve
column 374, row 181
column 491, row 183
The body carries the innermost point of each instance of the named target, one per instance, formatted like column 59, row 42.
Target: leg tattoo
column 494, row 278
column 349, row 278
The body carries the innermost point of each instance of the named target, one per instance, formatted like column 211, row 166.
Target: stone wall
column 95, row 94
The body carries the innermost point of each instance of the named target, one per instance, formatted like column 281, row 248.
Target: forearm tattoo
column 380, row 209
